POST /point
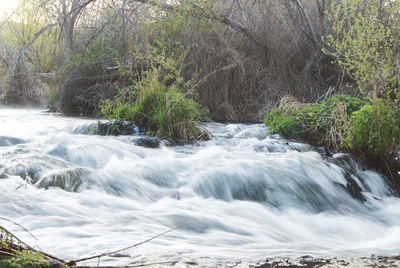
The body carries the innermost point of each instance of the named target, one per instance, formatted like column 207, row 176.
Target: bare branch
column 224, row 19
column 308, row 21
column 138, row 244
column 21, row 54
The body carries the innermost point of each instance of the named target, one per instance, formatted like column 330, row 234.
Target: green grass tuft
column 281, row 123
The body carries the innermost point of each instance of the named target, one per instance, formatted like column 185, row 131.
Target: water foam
column 256, row 194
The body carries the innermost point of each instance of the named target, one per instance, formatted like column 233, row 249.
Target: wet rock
column 28, row 173
column 191, row 263
column 116, row 128
column 148, row 142
column 347, row 162
column 53, row 108
column 71, row 180
column 56, row 264
column 302, row 262
column 350, row 167
column 353, row 188
column 86, row 129
column 312, row 262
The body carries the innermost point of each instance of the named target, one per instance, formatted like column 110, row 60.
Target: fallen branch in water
column 10, row 248
column 73, row 262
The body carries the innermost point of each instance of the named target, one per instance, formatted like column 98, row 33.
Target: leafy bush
column 364, row 38
column 374, row 129
column 320, row 115
column 352, row 104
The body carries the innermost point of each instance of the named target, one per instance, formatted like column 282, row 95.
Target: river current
column 246, row 193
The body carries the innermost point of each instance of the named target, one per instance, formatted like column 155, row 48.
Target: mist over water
column 255, row 194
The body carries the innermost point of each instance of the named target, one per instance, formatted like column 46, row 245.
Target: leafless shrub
column 83, row 95
column 282, row 61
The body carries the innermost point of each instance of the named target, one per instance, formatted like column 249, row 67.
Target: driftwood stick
column 73, row 262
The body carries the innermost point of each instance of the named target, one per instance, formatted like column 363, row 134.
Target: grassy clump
column 321, row 123
column 165, row 111
column 322, row 116
column 343, row 122
column 280, row 122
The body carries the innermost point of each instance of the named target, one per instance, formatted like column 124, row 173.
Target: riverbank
column 303, row 262
column 366, row 129
column 285, row 262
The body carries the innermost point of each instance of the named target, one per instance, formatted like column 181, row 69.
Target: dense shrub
column 352, row 104
column 243, row 57
column 158, row 97
column 374, row 129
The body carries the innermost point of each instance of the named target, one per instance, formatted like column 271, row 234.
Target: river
column 247, row 194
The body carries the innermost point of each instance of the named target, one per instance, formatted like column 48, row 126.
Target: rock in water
column 116, row 128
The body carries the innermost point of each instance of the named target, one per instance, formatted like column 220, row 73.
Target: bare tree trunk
column 19, row 66
column 68, row 17
column 304, row 12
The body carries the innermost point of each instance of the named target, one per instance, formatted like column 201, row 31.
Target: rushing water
column 255, row 195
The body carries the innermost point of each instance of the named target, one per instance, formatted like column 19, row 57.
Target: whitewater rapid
column 250, row 195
